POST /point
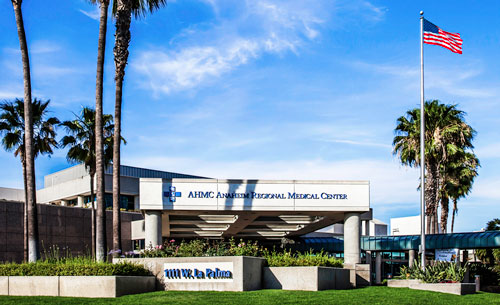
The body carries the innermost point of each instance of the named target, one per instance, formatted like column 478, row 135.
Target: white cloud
column 452, row 80
column 10, row 94
column 248, row 30
column 487, row 189
column 489, row 150
column 43, row 46
column 358, row 142
column 93, row 14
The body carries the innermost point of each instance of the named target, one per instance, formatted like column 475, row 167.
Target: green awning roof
column 470, row 240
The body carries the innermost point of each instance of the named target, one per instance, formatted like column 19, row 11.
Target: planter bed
column 305, row 278
column 76, row 286
column 452, row 288
column 241, row 273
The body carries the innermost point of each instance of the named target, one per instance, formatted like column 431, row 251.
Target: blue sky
column 270, row 89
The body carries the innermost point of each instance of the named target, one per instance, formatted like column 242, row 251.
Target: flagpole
column 422, row 143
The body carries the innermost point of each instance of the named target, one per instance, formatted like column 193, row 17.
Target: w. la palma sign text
column 198, row 272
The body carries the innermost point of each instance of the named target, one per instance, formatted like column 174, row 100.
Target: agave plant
column 437, row 272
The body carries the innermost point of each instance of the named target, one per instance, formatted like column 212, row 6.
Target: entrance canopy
column 268, row 209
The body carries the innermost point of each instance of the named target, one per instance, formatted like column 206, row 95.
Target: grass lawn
column 370, row 295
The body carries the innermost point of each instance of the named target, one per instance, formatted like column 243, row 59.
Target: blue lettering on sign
column 186, row 273
column 253, row 195
column 212, row 274
column 172, row 273
column 201, row 194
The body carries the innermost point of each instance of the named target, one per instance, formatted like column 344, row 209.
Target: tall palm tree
column 462, row 174
column 446, row 133
column 123, row 10
column 81, row 140
column 99, row 138
column 12, row 127
column 33, row 238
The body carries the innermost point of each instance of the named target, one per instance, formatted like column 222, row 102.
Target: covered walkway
column 387, row 253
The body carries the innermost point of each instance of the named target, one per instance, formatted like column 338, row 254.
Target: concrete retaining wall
column 452, row 288
column 305, row 278
column 76, row 286
column 360, row 275
column 246, row 272
column 401, row 283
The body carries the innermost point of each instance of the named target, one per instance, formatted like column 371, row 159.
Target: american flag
column 434, row 35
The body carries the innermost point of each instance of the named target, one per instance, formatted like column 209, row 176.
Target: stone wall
column 67, row 227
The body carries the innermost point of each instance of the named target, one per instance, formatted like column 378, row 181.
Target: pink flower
column 172, row 240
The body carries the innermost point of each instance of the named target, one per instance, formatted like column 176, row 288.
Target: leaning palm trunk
column 122, row 40
column 453, row 214
column 444, row 213
column 33, row 247
column 101, row 205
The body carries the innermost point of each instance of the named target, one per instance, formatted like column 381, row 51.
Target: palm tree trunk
column 33, row 241
column 453, row 214
column 122, row 40
column 25, row 210
column 101, row 205
column 436, row 221
column 430, row 196
column 444, row 212
column 92, row 213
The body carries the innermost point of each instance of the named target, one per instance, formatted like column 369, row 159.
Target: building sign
column 447, row 255
column 198, row 272
column 286, row 195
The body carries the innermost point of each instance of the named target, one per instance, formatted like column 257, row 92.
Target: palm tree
column 13, row 127
column 490, row 256
column 462, row 174
column 99, row 138
column 446, row 134
column 33, row 238
column 81, row 140
column 123, row 10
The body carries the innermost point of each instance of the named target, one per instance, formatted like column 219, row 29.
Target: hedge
column 288, row 259
column 71, row 269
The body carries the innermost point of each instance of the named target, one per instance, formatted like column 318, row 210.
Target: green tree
column 81, row 142
column 99, row 133
column 12, row 127
column 33, row 238
column 457, row 183
column 490, row 256
column 123, row 11
column 446, row 134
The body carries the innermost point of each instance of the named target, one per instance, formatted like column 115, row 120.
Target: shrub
column 288, row 259
column 489, row 275
column 437, row 272
column 198, row 247
column 74, row 267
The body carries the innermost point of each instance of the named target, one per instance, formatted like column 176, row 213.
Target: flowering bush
column 198, row 247
column 244, row 248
